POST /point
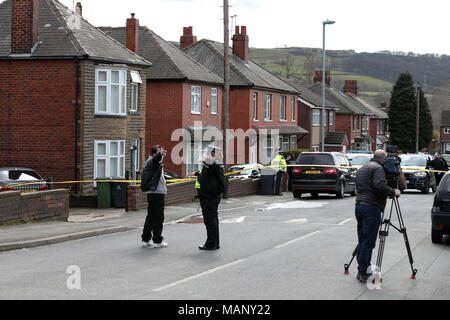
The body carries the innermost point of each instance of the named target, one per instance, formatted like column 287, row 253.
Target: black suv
column 323, row 172
column 413, row 166
column 440, row 213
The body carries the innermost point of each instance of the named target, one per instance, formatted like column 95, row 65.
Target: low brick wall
column 185, row 192
column 52, row 204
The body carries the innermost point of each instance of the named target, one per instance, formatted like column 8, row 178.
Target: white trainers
column 148, row 244
column 163, row 244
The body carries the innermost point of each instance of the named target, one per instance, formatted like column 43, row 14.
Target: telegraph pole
column 226, row 78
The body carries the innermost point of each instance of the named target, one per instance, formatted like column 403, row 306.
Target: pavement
column 91, row 222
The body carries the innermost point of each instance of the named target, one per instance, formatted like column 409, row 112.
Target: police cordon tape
column 9, row 188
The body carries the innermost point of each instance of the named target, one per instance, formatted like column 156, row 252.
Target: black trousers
column 211, row 220
column 279, row 182
column 155, row 218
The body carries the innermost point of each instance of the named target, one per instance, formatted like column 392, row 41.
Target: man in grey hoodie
column 154, row 181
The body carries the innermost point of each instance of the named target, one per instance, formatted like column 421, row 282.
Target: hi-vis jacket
column 280, row 162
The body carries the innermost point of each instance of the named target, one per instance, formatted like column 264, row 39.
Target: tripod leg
column 347, row 265
column 405, row 237
column 385, row 223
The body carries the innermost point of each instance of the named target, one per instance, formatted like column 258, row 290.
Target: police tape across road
column 9, row 188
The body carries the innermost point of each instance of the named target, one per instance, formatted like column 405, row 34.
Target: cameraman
column 372, row 192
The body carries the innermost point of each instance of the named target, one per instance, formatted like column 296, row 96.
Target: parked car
column 359, row 159
column 323, row 172
column 440, row 213
column 419, row 180
column 446, row 156
column 254, row 170
column 13, row 179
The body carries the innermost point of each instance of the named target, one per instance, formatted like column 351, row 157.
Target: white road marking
column 304, row 220
column 173, row 284
column 234, row 220
column 345, row 221
column 298, row 204
column 301, row 238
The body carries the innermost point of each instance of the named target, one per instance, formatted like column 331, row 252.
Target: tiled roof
column 308, row 95
column 346, row 104
column 337, row 138
column 376, row 111
column 63, row 33
column 168, row 61
column 211, row 55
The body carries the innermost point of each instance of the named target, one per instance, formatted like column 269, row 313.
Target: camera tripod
column 383, row 233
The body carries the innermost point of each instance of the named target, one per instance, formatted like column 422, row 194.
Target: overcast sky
column 363, row 25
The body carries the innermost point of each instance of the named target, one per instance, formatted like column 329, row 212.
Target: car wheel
column 314, row 194
column 341, row 191
column 297, row 195
column 436, row 236
column 426, row 188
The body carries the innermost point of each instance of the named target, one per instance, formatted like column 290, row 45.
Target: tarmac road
column 285, row 250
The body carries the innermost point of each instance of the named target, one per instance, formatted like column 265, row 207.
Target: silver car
column 21, row 179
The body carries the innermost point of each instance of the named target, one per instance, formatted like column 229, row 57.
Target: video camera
column 392, row 168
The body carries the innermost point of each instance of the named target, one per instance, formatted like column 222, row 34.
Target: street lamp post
column 324, row 23
column 417, row 117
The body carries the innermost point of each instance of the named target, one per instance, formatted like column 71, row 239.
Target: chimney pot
column 236, row 30
column 240, row 43
column 132, row 40
column 243, row 30
column 188, row 37
column 79, row 9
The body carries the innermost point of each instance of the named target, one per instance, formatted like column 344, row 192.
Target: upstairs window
column 110, row 91
column 330, row 118
column 292, row 108
column 316, row 117
column 447, row 130
column 214, row 100
column 255, row 106
column 267, row 107
column 196, row 100
column 283, row 108
column 135, row 81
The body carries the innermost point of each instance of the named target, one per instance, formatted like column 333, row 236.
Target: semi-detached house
column 66, row 92
column 181, row 94
column 258, row 99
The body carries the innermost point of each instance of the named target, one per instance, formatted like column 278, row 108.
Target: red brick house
column 65, row 95
column 445, row 131
column 181, row 94
column 351, row 118
column 377, row 126
column 310, row 118
column 258, row 99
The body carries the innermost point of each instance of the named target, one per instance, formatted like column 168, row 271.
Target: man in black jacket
column 212, row 184
column 438, row 163
column 154, row 185
column 372, row 192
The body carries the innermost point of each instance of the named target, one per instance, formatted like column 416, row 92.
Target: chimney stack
column 318, row 77
column 24, row 26
column 187, row 38
column 351, row 86
column 79, row 9
column 133, row 34
column 240, row 43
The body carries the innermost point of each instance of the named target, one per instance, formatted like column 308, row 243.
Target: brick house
column 310, row 118
column 258, row 99
column 378, row 129
column 445, row 131
column 181, row 93
column 65, row 95
column 353, row 118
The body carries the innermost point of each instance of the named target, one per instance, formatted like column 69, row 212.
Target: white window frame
column 255, row 106
column 447, row 130
column 283, row 108
column 214, row 101
column 107, row 157
column 108, row 84
column 268, row 147
column 267, row 107
column 293, row 142
column 134, row 92
column 137, row 142
column 315, row 117
column 192, row 165
column 330, row 118
column 293, row 109
column 196, row 100
column 285, row 142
